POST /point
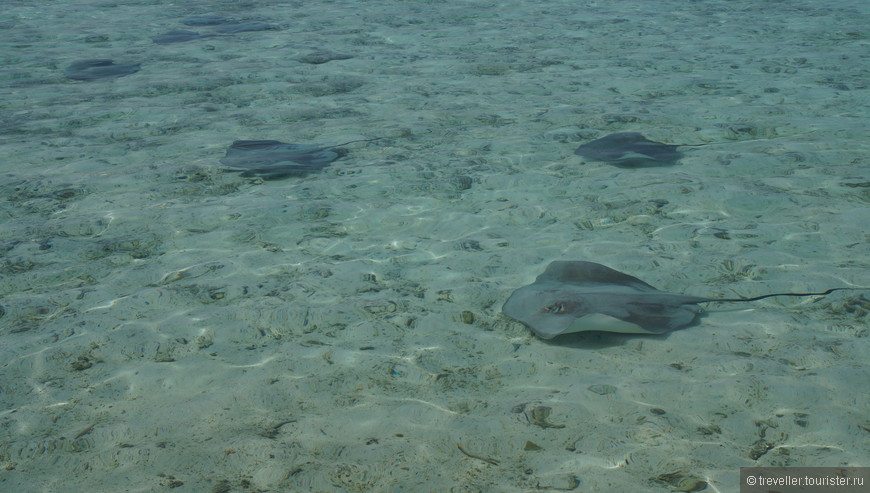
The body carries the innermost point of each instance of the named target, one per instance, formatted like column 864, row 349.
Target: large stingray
column 630, row 150
column 577, row 296
column 271, row 159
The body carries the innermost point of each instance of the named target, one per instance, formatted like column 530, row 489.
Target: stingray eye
column 555, row 308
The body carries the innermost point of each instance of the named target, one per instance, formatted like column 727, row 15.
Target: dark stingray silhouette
column 98, row 68
column 631, row 150
column 578, row 296
column 220, row 26
column 272, row 159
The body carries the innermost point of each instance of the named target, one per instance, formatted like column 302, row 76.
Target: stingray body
column 220, row 26
column 584, row 296
column 99, row 68
column 578, row 296
column 274, row 159
column 270, row 159
column 629, row 150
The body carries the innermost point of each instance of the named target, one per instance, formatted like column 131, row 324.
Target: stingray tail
column 756, row 298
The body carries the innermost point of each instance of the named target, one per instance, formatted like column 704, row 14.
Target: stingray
column 271, row 159
column 322, row 56
column 631, row 150
column 99, row 68
column 578, row 296
column 221, row 26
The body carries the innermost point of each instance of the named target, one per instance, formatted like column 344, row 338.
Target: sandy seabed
column 168, row 324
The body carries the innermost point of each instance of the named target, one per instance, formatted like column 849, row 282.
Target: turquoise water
column 170, row 323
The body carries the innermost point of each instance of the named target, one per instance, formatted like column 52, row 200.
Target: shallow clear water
column 168, row 322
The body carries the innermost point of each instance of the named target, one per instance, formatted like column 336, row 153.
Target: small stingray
column 630, row 150
column 577, row 296
column 178, row 36
column 322, row 56
column 271, row 159
column 100, row 68
column 221, row 26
